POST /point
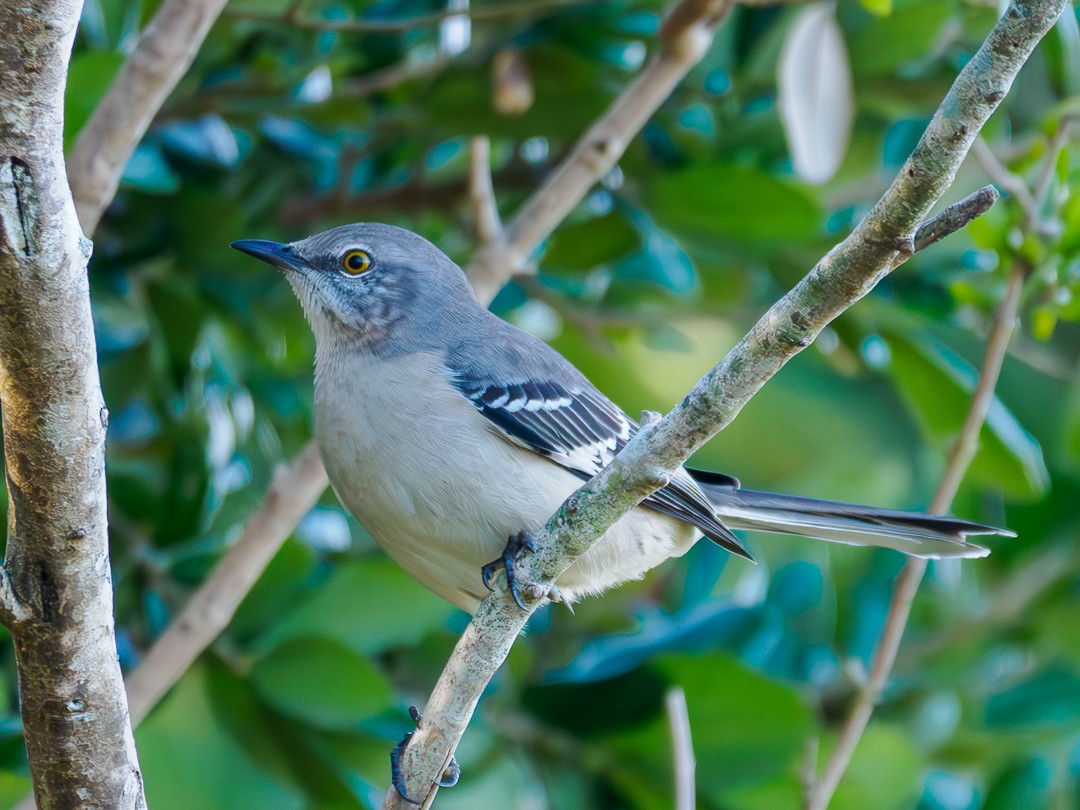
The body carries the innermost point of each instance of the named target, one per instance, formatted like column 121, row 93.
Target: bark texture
column 56, row 589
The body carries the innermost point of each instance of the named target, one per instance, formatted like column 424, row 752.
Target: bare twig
column 682, row 749
column 846, row 274
column 292, row 493
column 685, row 35
column 166, row 49
column 486, row 222
column 955, row 217
column 997, row 172
column 907, row 583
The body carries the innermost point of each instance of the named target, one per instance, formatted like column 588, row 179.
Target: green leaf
column 149, row 171
column 278, row 584
column 353, row 608
column 190, row 760
column 584, row 245
column 732, row 203
column 891, row 42
column 322, row 683
column 1027, row 784
column 937, row 386
column 88, row 78
column 883, row 773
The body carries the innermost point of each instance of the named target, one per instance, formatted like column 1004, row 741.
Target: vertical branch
column 56, row 583
column 907, row 583
column 682, row 749
column 486, row 223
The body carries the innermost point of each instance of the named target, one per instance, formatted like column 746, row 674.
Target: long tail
column 914, row 533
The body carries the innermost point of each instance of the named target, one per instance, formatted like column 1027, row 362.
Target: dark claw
column 522, row 541
column 449, row 777
column 396, row 777
column 451, row 774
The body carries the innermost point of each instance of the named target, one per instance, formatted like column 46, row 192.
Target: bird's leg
column 449, row 777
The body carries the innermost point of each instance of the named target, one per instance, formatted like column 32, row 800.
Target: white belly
column 441, row 492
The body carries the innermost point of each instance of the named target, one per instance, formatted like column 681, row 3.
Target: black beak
column 277, row 254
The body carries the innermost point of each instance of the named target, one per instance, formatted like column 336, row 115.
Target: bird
column 453, row 436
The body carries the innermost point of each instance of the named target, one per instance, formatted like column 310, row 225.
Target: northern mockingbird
column 445, row 430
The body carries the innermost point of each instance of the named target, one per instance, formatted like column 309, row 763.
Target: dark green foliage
column 206, row 364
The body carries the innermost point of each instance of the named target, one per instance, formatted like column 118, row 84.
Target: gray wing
column 576, row 426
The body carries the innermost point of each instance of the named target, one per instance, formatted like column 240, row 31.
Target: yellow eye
column 356, row 262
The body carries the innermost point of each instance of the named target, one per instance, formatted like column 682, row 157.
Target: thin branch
column 486, row 222
column 682, row 749
column 955, row 217
column 907, row 583
column 960, row 458
column 841, row 278
column 1012, row 183
column 492, row 13
column 292, row 493
column 685, row 35
column 166, row 49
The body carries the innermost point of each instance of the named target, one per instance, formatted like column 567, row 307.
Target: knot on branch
column 18, row 204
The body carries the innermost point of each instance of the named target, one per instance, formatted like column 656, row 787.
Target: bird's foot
column 515, row 546
column 449, row 777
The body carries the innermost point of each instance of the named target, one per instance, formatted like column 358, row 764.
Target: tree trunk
column 55, row 585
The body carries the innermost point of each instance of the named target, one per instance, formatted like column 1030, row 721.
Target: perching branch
column 167, row 47
column 841, row 278
column 55, row 589
column 685, row 36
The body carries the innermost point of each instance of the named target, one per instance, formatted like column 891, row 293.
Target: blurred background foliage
column 299, row 117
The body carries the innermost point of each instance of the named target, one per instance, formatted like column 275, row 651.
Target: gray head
column 360, row 284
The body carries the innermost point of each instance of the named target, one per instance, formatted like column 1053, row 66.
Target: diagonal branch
column 685, row 36
column 167, row 47
column 907, row 583
column 840, row 279
column 960, row 457
column 292, row 493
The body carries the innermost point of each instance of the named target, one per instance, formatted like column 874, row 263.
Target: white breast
column 441, row 491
